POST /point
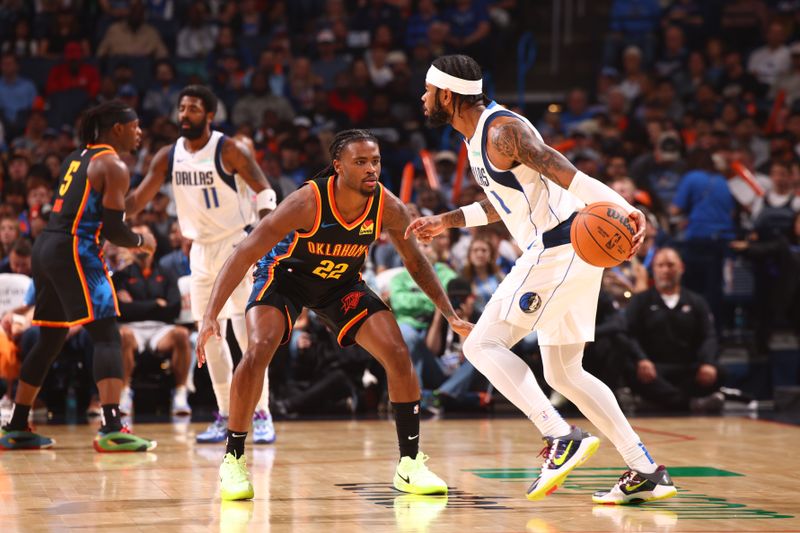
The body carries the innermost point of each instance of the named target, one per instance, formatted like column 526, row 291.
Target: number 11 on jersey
column 210, row 196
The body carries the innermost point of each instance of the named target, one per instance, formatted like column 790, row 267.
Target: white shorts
column 148, row 333
column 205, row 261
column 553, row 292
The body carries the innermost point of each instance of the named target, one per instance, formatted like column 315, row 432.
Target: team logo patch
column 530, row 302
column 367, row 228
column 350, row 300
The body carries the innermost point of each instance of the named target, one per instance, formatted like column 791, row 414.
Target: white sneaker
column 180, row 402
column 6, row 408
column 263, row 429
column 126, row 401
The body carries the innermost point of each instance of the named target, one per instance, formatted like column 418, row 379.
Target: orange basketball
column 602, row 235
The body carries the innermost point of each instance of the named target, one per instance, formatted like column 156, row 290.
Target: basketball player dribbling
column 73, row 286
column 316, row 242
column 536, row 191
column 210, row 173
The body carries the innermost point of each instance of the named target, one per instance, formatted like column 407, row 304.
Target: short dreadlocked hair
column 466, row 68
column 340, row 142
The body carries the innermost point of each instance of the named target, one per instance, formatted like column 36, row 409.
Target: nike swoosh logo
column 406, row 479
column 414, row 437
column 328, row 224
column 631, row 488
column 558, row 461
column 238, row 435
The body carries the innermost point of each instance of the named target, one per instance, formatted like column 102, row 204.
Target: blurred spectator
column 19, row 258
column 250, row 20
column 673, row 56
column 419, row 22
column 16, row 94
column 162, row 97
column 64, row 30
column 380, row 72
column 39, row 192
column 577, row 109
column 742, row 23
column 633, row 75
column 789, row 82
column 302, row 85
column 21, row 43
column 9, row 233
column 132, row 36
column 328, row 65
column 675, row 346
column 346, row 101
column 149, row 303
column 73, row 73
column 773, row 59
column 481, row 271
column 469, row 27
column 196, row 39
column 735, row 81
column 632, row 22
column 250, row 107
column 659, row 172
column 175, row 264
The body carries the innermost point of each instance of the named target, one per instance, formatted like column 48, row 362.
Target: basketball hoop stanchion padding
column 430, row 169
column 772, row 125
column 458, row 179
column 407, row 183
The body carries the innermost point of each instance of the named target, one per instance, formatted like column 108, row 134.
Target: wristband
column 266, row 199
column 474, row 215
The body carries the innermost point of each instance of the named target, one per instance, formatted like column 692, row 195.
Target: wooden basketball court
column 733, row 474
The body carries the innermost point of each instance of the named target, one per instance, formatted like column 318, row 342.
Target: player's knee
column 180, row 335
column 261, row 349
column 472, row 348
column 127, row 339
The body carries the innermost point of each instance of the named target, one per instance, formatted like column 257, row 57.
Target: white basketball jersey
column 528, row 203
column 211, row 203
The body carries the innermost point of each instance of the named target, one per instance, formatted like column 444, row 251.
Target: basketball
column 602, row 235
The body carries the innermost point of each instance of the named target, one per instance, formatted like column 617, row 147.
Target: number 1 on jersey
column 210, row 196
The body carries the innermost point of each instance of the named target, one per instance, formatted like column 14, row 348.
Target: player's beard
column 439, row 116
column 194, row 131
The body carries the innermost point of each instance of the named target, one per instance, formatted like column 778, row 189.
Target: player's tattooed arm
column 455, row 218
column 137, row 199
column 514, row 140
column 395, row 221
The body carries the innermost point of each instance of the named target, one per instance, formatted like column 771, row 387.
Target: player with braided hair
column 315, row 243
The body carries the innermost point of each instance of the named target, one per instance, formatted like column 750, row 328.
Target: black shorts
column 344, row 312
column 72, row 284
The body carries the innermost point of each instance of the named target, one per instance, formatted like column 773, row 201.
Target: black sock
column 406, row 419
column 235, row 444
column 19, row 418
column 111, row 418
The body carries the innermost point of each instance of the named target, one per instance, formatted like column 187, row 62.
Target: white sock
column 220, row 369
column 488, row 349
column 239, row 325
column 564, row 371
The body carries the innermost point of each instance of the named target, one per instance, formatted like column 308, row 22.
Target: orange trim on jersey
column 349, row 325
column 379, row 217
column 271, row 274
column 56, row 324
column 338, row 216
column 288, row 333
column 104, row 152
column 81, row 207
column 318, row 216
column 85, row 286
column 106, row 146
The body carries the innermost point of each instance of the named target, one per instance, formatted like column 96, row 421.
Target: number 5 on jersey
column 330, row 270
column 73, row 168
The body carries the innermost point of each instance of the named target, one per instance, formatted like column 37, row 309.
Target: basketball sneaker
column 562, row 455
column 180, row 402
column 636, row 487
column 122, row 441
column 216, row 432
column 24, row 440
column 263, row 430
column 413, row 476
column 235, row 479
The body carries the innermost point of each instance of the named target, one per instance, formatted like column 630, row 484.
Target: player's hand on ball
column 148, row 243
column 426, row 228
column 208, row 328
column 462, row 327
column 640, row 221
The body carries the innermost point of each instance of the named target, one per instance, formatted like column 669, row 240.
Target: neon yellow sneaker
column 413, row 476
column 235, row 479
column 562, row 456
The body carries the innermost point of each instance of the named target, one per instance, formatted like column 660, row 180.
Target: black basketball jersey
column 77, row 208
column 317, row 263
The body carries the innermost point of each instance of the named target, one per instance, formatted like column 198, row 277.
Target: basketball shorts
column 72, row 284
column 148, row 333
column 554, row 292
column 205, row 261
column 344, row 312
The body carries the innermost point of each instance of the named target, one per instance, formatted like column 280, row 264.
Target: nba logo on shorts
column 530, row 302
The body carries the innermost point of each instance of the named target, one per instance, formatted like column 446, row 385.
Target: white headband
column 442, row 80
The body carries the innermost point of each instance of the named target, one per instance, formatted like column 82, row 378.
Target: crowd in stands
column 694, row 117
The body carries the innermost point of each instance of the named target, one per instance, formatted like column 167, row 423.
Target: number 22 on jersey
column 329, row 270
